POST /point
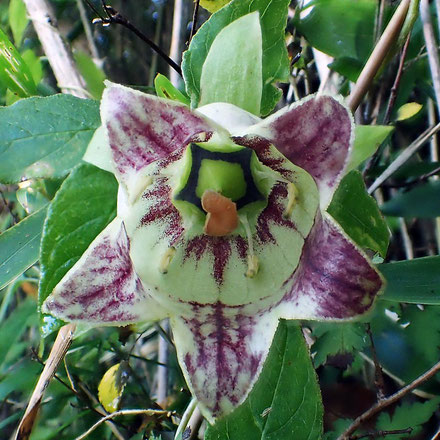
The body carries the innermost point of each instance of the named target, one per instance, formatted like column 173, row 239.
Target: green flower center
column 228, row 170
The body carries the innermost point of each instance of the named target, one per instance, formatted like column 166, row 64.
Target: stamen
column 166, row 259
column 292, row 199
column 252, row 259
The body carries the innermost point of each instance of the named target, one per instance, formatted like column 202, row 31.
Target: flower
column 221, row 226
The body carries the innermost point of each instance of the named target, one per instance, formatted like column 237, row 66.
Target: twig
column 114, row 17
column 58, row 54
column 88, row 31
column 194, row 20
column 431, row 47
column 14, row 216
column 124, row 412
column 378, row 373
column 377, row 434
column 379, row 406
column 394, row 88
column 379, row 54
column 404, row 156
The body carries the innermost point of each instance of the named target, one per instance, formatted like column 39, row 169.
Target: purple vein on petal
column 143, row 128
column 102, row 286
column 316, row 135
column 226, row 355
column 221, row 250
column 162, row 211
column 333, row 276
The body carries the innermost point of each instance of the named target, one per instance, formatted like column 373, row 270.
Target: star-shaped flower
column 221, row 227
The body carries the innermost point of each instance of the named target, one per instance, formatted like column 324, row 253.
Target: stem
column 378, row 373
column 194, row 20
column 380, row 52
column 186, row 417
column 393, row 93
column 59, row 349
column 379, row 406
column 403, row 157
column 124, row 412
column 175, row 38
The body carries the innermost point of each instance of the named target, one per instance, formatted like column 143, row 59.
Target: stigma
column 221, row 217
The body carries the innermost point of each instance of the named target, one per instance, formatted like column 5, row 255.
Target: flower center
column 217, row 184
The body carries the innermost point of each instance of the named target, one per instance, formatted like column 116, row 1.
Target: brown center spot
column 222, row 217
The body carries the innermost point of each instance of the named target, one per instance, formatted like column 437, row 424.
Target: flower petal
column 102, row 287
column 334, row 280
column 142, row 128
column 316, row 134
column 221, row 350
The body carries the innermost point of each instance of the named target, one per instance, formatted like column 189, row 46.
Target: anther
column 252, row 259
column 166, row 259
column 292, row 199
column 253, row 266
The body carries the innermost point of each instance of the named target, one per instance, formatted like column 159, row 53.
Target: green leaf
column 165, row 89
column 285, row 402
column 20, row 246
column 358, row 214
column 340, row 28
column 368, row 138
column 422, row 201
column 348, row 67
column 14, row 73
column 334, row 338
column 34, row 64
column 45, row 137
column 81, row 209
column 414, row 281
column 407, row 415
column 233, row 72
column 93, row 75
column 13, row 328
column 273, row 17
column 18, row 20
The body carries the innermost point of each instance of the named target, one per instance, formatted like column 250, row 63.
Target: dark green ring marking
column 241, row 157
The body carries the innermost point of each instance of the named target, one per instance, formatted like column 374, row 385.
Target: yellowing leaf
column 112, row 386
column 408, row 111
column 213, row 5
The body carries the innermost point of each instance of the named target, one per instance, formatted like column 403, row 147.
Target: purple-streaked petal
column 316, row 134
column 221, row 350
column 102, row 287
column 334, row 280
column 143, row 128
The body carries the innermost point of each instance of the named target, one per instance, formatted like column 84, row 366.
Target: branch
column 379, row 54
column 381, row 404
column 58, row 54
column 377, row 434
